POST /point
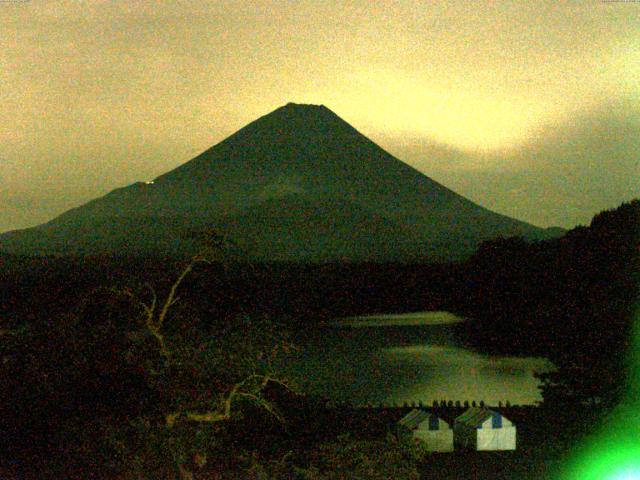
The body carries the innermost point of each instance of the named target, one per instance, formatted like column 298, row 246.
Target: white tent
column 484, row 429
column 435, row 433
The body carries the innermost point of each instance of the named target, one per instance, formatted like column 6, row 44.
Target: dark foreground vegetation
column 164, row 368
column 570, row 299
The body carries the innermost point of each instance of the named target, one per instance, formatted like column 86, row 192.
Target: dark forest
column 163, row 368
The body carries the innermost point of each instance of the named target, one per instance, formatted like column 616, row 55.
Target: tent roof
column 475, row 416
column 414, row 418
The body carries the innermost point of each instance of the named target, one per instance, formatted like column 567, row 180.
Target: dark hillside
column 298, row 164
column 570, row 299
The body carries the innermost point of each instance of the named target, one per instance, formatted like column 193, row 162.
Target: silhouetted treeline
column 81, row 373
column 78, row 367
column 304, row 292
column 569, row 299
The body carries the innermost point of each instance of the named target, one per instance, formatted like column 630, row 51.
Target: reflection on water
column 400, row 320
column 397, row 359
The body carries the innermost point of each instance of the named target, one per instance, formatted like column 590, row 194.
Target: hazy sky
column 529, row 108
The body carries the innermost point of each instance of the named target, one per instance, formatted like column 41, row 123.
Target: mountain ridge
column 296, row 151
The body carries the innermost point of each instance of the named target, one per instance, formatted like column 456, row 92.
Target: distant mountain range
column 299, row 184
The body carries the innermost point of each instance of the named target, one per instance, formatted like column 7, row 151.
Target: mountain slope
column 294, row 227
column 299, row 181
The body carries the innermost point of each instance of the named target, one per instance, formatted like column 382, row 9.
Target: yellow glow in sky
column 96, row 95
column 462, row 118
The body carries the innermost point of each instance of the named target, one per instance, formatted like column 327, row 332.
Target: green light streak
column 614, row 452
column 609, row 459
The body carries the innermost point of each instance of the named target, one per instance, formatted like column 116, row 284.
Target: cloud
column 102, row 93
column 564, row 174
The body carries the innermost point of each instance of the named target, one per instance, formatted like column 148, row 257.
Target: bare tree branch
column 154, row 300
column 225, row 411
column 172, row 293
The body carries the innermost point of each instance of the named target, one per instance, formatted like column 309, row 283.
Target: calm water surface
column 393, row 359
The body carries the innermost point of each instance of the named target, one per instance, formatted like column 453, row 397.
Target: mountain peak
column 303, row 110
column 310, row 106
column 300, row 181
column 298, row 120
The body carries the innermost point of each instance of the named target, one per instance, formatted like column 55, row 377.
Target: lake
column 393, row 359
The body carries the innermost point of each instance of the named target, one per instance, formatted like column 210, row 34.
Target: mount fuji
column 299, row 184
